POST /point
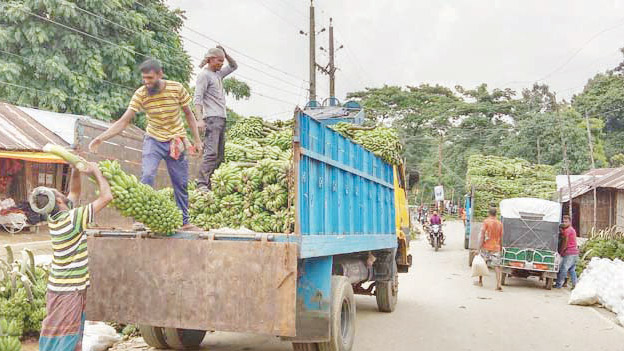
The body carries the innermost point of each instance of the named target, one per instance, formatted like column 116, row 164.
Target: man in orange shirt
column 491, row 235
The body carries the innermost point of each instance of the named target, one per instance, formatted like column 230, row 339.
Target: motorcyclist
column 436, row 219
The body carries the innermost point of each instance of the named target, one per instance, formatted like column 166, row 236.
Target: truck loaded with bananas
column 299, row 218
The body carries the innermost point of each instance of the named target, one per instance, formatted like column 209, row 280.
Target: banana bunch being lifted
column 140, row 201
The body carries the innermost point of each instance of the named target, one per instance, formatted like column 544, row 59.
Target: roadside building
column 24, row 166
column 608, row 207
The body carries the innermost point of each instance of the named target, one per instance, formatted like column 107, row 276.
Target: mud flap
column 313, row 300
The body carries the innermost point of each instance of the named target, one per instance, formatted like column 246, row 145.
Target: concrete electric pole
column 312, row 34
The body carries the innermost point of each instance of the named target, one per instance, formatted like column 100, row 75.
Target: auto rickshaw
column 530, row 239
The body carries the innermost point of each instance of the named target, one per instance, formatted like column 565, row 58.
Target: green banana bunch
column 382, row 141
column 133, row 199
column 10, row 343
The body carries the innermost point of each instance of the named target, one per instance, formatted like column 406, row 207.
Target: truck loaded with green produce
column 491, row 179
column 301, row 216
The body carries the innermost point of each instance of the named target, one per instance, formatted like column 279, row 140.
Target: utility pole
column 539, row 152
column 591, row 154
column 332, row 67
column 589, row 140
column 312, row 34
column 440, row 160
column 565, row 161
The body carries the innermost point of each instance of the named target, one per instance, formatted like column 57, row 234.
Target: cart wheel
column 387, row 294
column 549, row 283
column 342, row 317
column 181, row 339
column 503, row 278
column 153, row 336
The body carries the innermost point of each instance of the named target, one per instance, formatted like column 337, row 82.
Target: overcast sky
column 504, row 43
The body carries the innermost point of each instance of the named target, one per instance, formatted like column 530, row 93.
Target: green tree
column 82, row 56
column 603, row 98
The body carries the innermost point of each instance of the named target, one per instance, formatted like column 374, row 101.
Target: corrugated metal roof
column 611, row 178
column 21, row 132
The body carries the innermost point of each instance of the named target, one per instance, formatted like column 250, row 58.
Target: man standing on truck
column 569, row 254
column 165, row 137
column 68, row 281
column 211, row 111
column 491, row 235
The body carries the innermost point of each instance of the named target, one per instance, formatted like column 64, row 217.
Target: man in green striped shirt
column 68, row 281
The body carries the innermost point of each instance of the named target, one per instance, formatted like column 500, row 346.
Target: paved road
column 440, row 309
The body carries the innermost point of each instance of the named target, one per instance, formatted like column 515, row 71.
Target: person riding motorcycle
column 436, row 220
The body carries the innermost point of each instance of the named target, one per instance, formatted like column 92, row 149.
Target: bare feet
column 499, row 288
column 478, row 283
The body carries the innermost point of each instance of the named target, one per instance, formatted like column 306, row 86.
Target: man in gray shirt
column 211, row 112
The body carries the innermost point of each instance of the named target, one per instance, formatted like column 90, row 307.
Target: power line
column 278, row 15
column 130, row 50
column 82, row 75
column 227, row 47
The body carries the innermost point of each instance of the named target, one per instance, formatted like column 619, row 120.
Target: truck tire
column 342, row 317
column 181, row 339
column 387, row 294
column 466, row 243
column 153, row 336
column 503, row 279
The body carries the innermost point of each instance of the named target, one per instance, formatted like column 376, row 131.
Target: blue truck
column 350, row 238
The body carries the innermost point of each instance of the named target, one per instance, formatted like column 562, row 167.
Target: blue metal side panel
column 345, row 194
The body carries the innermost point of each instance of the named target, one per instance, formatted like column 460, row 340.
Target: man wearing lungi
column 63, row 327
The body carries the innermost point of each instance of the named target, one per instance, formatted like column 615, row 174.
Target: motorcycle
column 436, row 237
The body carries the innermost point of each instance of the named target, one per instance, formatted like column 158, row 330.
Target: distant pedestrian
column 569, row 254
column 490, row 248
column 462, row 213
column 211, row 111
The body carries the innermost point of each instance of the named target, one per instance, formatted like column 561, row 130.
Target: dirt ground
column 440, row 309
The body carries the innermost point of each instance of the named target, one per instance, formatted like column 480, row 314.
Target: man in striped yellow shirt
column 162, row 100
column 68, row 280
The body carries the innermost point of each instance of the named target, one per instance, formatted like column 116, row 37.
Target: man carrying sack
column 165, row 137
column 490, row 248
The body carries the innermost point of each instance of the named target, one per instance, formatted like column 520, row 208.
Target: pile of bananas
column 250, row 127
column 22, row 297
column 251, row 188
column 9, row 337
column 382, row 141
column 133, row 199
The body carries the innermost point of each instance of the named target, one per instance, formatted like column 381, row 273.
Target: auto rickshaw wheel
column 181, row 339
column 153, row 336
column 549, row 283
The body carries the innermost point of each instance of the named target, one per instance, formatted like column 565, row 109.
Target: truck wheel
column 304, row 347
column 153, row 336
column 466, row 243
column 549, row 283
column 180, row 339
column 342, row 317
column 503, row 278
column 387, row 294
